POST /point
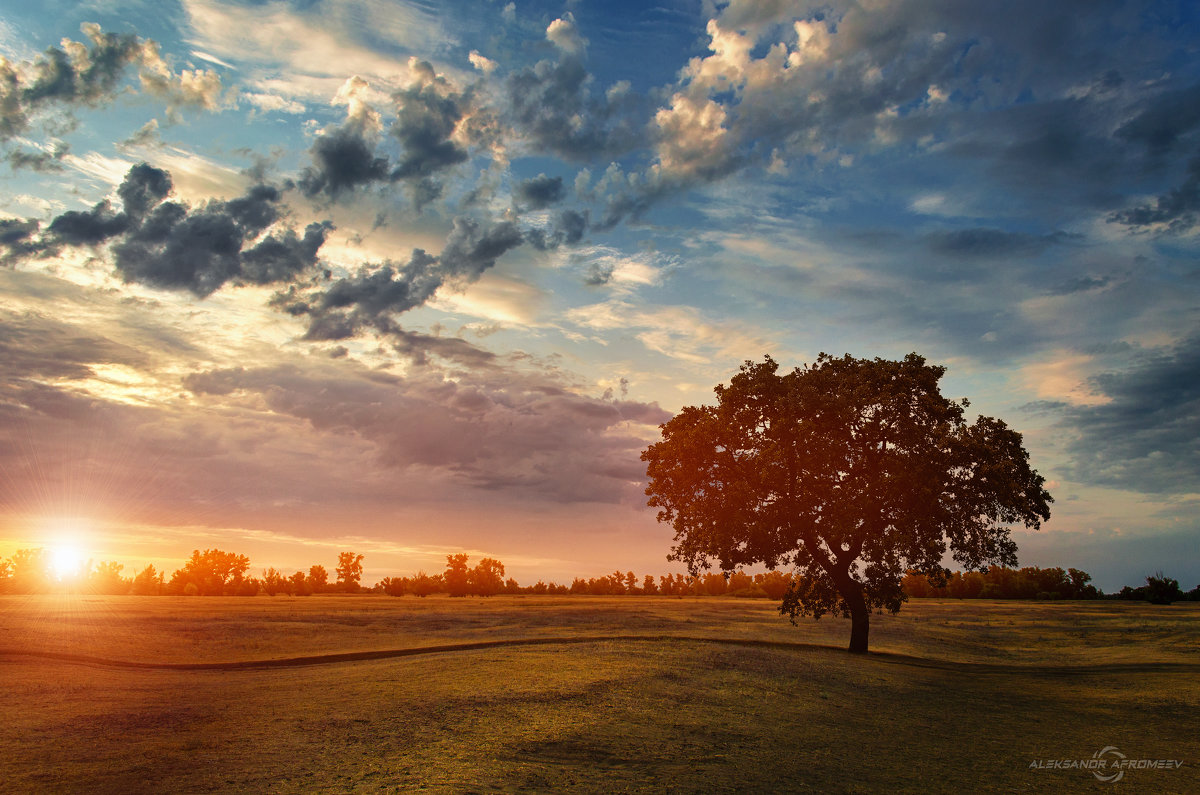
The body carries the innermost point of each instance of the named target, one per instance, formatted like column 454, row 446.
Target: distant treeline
column 1001, row 583
column 1034, row 583
column 214, row 572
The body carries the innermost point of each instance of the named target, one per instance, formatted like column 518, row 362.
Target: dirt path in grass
column 384, row 654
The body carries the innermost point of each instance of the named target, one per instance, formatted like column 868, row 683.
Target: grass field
column 655, row 694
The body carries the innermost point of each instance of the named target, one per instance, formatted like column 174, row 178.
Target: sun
column 66, row 561
column 67, row 555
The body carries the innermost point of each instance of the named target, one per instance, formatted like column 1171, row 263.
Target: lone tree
column 852, row 470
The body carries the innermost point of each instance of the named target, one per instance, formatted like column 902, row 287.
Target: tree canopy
column 854, row 471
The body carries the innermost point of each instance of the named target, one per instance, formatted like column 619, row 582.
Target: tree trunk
column 860, row 617
column 860, row 625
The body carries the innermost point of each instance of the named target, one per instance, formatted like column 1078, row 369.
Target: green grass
column 603, row 716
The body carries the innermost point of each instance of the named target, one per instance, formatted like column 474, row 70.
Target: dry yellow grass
column 613, row 716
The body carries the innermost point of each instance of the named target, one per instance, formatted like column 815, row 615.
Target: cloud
column 677, row 332
column 482, row 63
column 372, row 296
column 539, row 192
column 693, row 138
column 985, row 243
column 566, row 228
column 783, row 87
column 1143, row 437
column 305, row 54
column 272, row 103
column 146, row 135
column 190, row 88
column 143, row 188
column 46, row 160
column 1174, row 212
column 606, row 266
column 496, row 429
column 430, row 117
column 175, row 246
column 33, row 346
column 201, row 249
column 552, row 106
column 79, row 74
column 1164, row 120
column 343, row 160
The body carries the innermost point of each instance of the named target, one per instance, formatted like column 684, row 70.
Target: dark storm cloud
column 539, row 192
column 598, row 275
column 143, row 188
column 985, row 243
column 280, row 257
column 633, row 201
column 201, row 249
column 429, row 111
column 17, row 239
column 1164, row 120
column 418, row 347
column 343, row 160
column 368, row 298
column 567, row 228
column 553, row 103
column 88, row 227
column 41, row 161
column 1177, row 209
column 174, row 246
column 487, row 429
column 1145, row 437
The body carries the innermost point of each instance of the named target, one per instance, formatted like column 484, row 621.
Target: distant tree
column 1162, row 590
column 212, row 573
column 273, row 582
column 106, row 578
column 487, row 578
column 298, row 584
column 853, row 471
column 318, row 578
column 671, row 585
column 649, row 586
column 349, row 571
column 775, row 584
column 714, row 584
column 1080, row 585
column 393, row 586
column 457, row 576
column 739, row 581
column 147, row 582
column 30, row 571
column 999, row 582
column 511, row 586
column 422, row 585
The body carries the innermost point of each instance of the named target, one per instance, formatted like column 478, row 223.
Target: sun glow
column 67, row 555
column 67, row 561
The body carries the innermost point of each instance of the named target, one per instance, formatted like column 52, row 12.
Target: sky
column 294, row 277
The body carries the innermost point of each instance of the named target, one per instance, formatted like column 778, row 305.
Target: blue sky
column 419, row 278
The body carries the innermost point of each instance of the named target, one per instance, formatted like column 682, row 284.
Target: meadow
column 612, row 694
